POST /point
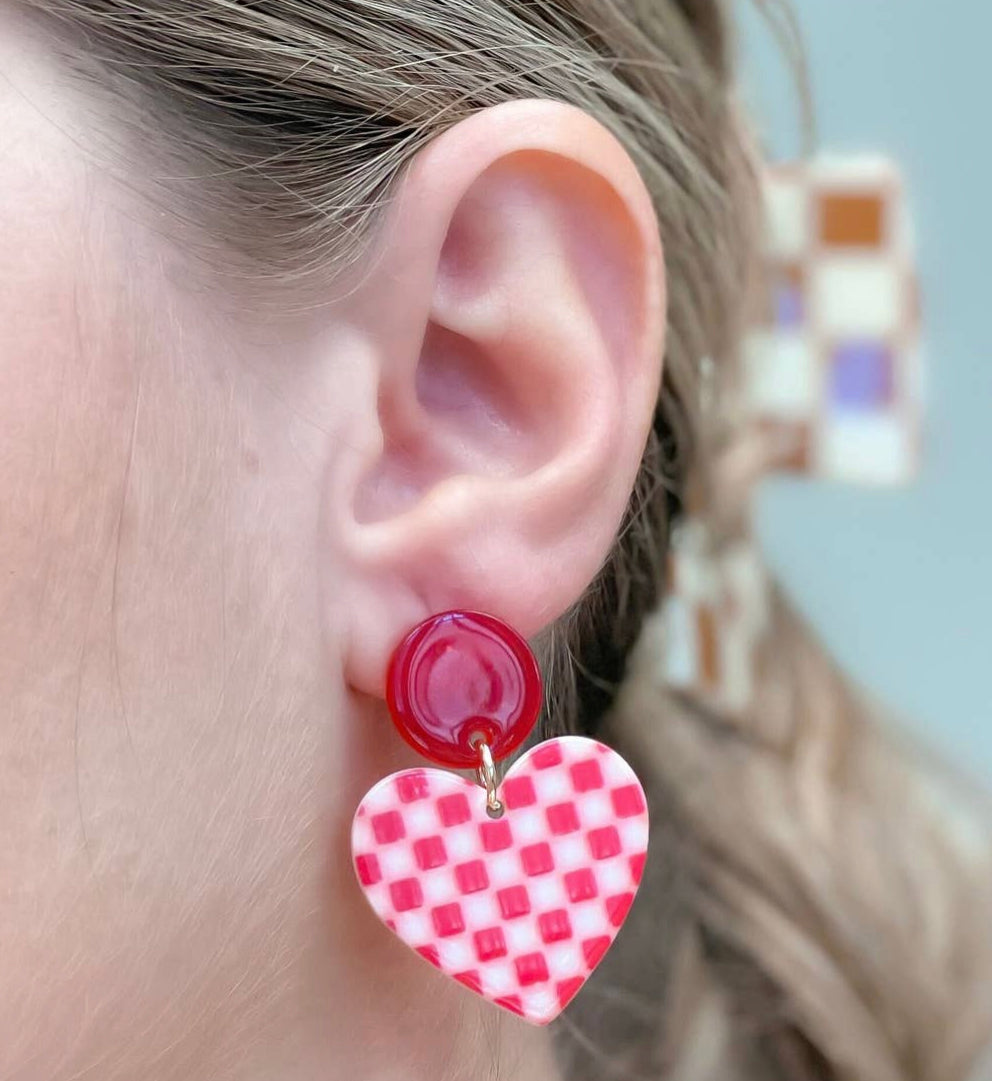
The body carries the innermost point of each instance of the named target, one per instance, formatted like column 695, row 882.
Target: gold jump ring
column 488, row 778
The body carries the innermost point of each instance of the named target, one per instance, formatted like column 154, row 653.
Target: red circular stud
column 458, row 677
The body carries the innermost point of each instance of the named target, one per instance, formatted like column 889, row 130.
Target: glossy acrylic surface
column 461, row 676
column 519, row 909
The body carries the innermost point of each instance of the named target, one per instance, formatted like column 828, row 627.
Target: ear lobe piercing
column 513, row 888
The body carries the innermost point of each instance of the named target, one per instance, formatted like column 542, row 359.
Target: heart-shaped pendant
column 521, row 908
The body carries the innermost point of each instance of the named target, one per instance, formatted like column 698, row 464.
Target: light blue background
column 900, row 582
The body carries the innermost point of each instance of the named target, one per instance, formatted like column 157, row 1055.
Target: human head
column 317, row 324
column 318, row 318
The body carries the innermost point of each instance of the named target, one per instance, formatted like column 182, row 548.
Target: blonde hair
column 810, row 908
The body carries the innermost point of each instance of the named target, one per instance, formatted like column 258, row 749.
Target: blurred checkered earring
column 514, row 888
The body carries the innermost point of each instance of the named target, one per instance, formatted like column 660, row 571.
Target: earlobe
column 516, row 311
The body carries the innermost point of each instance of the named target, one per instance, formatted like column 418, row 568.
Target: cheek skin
column 159, row 830
column 178, row 760
column 175, row 781
column 155, row 825
column 63, row 448
column 66, row 384
column 176, row 776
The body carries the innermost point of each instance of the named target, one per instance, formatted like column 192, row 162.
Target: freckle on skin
column 250, row 461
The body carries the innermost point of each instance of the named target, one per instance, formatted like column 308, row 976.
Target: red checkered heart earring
column 514, row 888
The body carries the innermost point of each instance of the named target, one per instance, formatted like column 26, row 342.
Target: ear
column 514, row 313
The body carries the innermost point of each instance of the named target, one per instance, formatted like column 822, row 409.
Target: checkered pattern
column 714, row 618
column 519, row 909
column 834, row 362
